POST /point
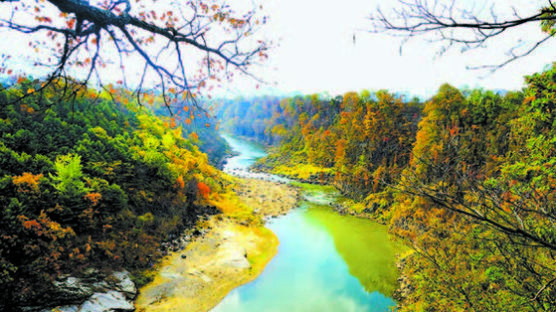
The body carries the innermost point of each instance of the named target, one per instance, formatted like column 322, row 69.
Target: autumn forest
column 148, row 163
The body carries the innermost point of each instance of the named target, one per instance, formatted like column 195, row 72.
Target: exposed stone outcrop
column 94, row 292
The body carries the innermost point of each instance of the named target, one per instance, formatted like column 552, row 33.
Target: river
column 325, row 261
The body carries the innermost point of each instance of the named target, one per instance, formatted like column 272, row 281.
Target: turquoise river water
column 325, row 261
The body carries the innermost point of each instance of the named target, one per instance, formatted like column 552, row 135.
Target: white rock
column 125, row 284
column 73, row 287
column 105, row 302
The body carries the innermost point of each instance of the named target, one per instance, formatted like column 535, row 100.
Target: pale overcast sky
column 315, row 53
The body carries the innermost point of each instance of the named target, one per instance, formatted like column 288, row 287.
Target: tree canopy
column 175, row 47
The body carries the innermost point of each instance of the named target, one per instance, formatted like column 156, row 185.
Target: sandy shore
column 232, row 253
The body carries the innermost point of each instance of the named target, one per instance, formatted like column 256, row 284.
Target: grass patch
column 301, row 171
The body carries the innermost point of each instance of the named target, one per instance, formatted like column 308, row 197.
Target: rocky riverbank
column 268, row 199
column 199, row 277
column 232, row 252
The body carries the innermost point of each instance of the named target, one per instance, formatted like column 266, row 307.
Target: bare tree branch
column 452, row 26
column 134, row 33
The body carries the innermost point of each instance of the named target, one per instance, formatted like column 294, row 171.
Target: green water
column 325, row 261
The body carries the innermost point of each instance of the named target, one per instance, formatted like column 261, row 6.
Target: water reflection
column 363, row 245
column 325, row 262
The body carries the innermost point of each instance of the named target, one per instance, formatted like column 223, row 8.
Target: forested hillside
column 90, row 180
column 355, row 140
column 196, row 124
column 468, row 179
column 250, row 117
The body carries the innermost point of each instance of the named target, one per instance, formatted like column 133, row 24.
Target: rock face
column 110, row 301
column 124, row 284
column 93, row 293
column 73, row 288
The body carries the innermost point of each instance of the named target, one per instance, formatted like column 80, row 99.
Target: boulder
column 125, row 284
column 110, row 301
column 72, row 289
column 94, row 292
